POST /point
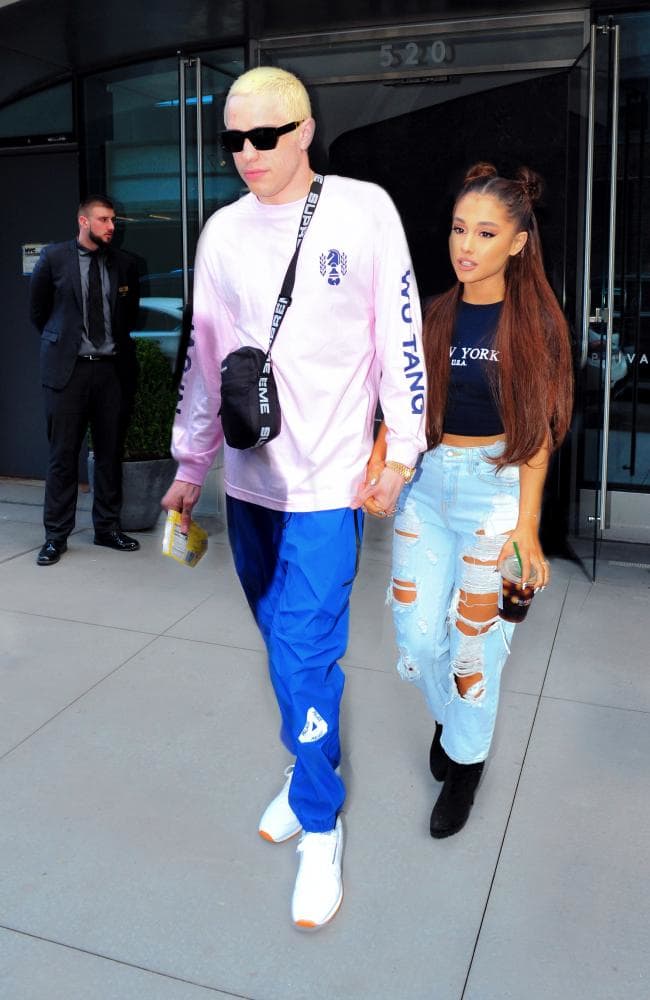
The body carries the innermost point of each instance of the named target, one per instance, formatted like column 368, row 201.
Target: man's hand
column 379, row 495
column 181, row 496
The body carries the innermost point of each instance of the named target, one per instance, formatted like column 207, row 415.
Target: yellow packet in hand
column 186, row 549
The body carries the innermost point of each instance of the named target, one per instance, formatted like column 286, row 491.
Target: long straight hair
column 533, row 385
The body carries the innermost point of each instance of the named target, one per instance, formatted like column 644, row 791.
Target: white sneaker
column 279, row 822
column 319, row 889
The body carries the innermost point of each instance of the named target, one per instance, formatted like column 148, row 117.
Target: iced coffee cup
column 515, row 597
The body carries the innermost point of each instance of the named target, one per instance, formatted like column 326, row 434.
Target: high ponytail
column 531, row 183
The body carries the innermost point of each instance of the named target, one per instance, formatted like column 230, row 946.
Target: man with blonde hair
column 350, row 336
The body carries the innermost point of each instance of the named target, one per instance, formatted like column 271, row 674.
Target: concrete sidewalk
column 138, row 746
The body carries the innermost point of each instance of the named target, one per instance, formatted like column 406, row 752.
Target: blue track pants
column 297, row 571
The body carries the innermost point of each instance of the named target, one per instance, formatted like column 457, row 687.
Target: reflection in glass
column 132, row 120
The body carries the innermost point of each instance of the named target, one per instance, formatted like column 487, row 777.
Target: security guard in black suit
column 84, row 302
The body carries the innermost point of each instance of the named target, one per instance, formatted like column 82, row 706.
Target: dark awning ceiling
column 46, row 40
column 42, row 40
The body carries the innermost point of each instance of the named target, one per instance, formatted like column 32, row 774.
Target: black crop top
column 471, row 409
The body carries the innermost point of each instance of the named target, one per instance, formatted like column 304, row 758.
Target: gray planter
column 143, row 486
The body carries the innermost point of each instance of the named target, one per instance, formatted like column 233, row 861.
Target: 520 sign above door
column 412, row 54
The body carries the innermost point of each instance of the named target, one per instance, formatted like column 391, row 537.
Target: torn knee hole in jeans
column 467, row 667
column 404, row 591
column 474, row 614
column 477, row 611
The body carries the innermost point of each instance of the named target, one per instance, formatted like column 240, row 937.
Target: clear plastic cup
column 515, row 597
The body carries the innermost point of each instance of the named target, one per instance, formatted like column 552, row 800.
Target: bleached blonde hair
column 284, row 86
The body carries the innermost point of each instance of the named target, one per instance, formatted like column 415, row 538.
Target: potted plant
column 147, row 467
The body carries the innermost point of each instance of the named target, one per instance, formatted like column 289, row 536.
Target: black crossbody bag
column 250, row 408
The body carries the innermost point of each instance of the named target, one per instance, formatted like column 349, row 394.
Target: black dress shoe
column 51, row 552
column 117, row 540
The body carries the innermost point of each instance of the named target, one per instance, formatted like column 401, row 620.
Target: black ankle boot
column 438, row 759
column 455, row 801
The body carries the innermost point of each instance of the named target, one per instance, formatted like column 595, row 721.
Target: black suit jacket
column 56, row 305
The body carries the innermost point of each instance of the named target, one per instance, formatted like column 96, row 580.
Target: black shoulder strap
column 284, row 298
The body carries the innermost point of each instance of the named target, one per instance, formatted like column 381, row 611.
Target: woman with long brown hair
column 499, row 402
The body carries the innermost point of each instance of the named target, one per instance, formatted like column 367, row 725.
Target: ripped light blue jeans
column 451, row 523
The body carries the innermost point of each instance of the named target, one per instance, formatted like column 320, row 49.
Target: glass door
column 628, row 508
column 208, row 178
column 590, row 292
column 151, row 141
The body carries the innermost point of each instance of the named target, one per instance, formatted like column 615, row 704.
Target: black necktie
column 96, row 328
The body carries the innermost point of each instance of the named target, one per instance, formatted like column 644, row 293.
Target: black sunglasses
column 265, row 137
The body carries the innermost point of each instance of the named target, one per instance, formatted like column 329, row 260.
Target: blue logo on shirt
column 333, row 264
column 412, row 364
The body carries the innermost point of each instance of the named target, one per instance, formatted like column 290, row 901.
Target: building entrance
column 611, row 471
column 411, row 108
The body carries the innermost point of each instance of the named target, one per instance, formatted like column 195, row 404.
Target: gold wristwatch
column 405, row 471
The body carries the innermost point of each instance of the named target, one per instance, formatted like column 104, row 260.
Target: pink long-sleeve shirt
column 351, row 335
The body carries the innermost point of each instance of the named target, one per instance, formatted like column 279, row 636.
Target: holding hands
column 379, row 493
